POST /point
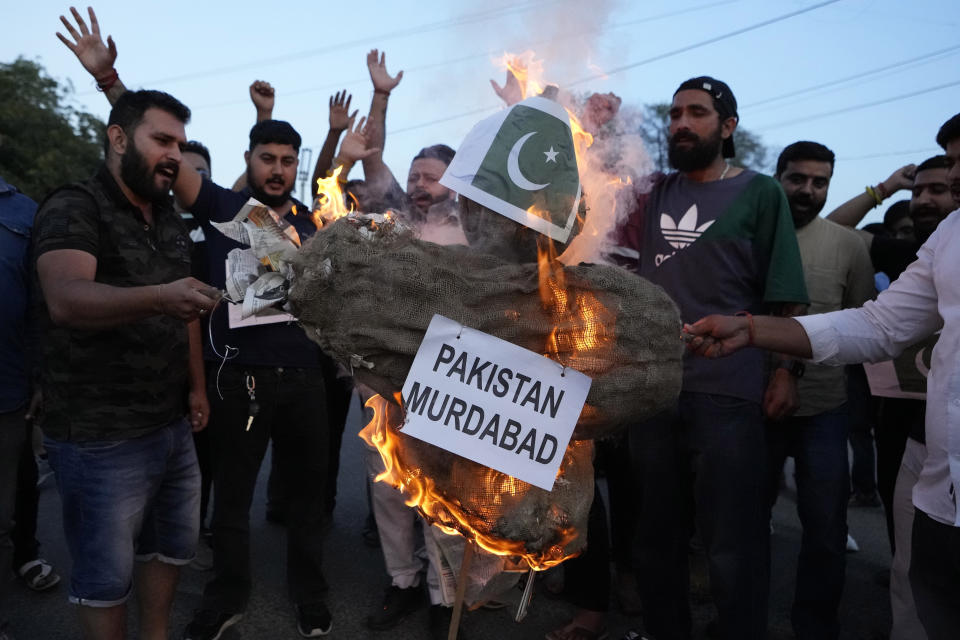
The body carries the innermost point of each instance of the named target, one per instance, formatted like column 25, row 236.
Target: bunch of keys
column 254, row 407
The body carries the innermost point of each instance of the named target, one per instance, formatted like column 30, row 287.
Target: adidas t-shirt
column 721, row 247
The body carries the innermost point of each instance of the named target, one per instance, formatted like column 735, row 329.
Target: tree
column 751, row 152
column 44, row 141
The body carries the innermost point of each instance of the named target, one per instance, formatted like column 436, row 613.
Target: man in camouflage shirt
column 118, row 370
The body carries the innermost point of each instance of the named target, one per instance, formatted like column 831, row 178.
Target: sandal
column 38, row 575
column 570, row 631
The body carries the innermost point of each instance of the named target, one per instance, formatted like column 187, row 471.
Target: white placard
column 492, row 402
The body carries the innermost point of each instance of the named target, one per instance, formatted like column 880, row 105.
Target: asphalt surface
column 357, row 578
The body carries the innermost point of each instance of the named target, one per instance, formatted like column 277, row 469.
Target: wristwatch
column 795, row 367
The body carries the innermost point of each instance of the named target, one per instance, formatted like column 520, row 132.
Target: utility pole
column 304, row 175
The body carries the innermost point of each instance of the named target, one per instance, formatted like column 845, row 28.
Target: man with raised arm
column 714, row 236
column 923, row 300
column 426, row 202
column 270, row 387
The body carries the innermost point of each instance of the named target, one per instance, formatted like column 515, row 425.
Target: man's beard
column 699, row 156
column 420, row 204
column 803, row 208
column 270, row 200
column 923, row 228
column 139, row 178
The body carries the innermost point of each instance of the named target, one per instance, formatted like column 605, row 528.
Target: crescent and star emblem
column 513, row 166
column 921, row 366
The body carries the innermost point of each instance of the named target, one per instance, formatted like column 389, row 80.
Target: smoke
column 560, row 44
column 613, row 172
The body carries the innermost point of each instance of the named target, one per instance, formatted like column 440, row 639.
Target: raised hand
column 600, row 109
column 511, row 92
column 902, row 178
column 262, row 95
column 354, row 145
column 340, row 116
column 95, row 56
column 377, row 66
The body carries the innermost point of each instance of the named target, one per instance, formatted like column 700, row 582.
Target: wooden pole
column 527, row 596
column 461, row 590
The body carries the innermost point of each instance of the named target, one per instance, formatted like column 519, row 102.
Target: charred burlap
column 367, row 298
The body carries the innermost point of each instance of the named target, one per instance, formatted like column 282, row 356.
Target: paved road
column 357, row 579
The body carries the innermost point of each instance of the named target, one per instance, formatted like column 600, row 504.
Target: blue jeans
column 818, row 445
column 12, row 435
column 126, row 499
column 712, row 448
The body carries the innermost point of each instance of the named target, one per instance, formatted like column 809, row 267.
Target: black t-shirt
column 270, row 345
column 126, row 381
column 892, row 255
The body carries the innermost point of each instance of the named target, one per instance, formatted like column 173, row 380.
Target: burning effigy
column 365, row 289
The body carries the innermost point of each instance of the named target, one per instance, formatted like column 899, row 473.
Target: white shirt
column 923, row 299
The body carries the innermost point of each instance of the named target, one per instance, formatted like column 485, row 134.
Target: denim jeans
column 863, row 410
column 711, row 447
column 12, row 434
column 818, row 445
column 292, row 413
column 126, row 499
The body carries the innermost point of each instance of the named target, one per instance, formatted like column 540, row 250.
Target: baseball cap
column 723, row 100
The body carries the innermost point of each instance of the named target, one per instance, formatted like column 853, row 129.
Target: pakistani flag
column 906, row 375
column 521, row 164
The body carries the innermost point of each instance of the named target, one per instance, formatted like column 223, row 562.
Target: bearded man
column 838, row 275
column 118, row 371
column 714, row 236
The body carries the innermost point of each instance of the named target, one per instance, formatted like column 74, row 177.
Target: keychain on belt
column 254, row 407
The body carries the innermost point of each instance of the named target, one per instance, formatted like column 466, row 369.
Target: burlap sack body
column 367, row 300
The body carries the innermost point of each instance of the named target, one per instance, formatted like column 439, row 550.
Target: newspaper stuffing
column 272, row 239
column 256, row 276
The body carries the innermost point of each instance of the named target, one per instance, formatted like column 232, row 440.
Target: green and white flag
column 521, row 163
column 906, row 375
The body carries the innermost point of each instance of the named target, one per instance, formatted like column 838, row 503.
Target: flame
column 329, row 205
column 584, row 329
column 582, row 139
column 527, row 69
column 421, row 491
column 529, row 73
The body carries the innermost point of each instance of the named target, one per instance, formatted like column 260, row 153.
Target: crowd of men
column 110, row 347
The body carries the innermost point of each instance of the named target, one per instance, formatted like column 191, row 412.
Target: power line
column 486, row 54
column 857, row 107
column 393, row 35
column 447, row 119
column 891, row 154
column 657, row 57
column 702, row 43
column 855, row 76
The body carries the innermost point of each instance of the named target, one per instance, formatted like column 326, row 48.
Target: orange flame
column 421, row 491
column 527, row 69
column 584, row 329
column 582, row 139
column 329, row 205
column 530, row 75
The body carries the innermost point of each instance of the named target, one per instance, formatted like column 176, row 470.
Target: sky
column 871, row 79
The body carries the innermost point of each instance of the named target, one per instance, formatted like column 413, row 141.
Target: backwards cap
column 723, row 102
